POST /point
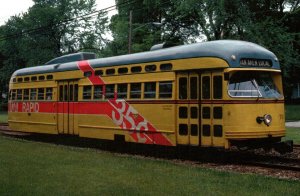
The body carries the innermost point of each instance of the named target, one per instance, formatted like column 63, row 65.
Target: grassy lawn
column 3, row 117
column 292, row 112
column 293, row 134
column 33, row 168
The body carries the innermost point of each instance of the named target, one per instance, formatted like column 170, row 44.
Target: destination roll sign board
column 255, row 63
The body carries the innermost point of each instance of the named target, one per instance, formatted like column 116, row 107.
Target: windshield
column 253, row 84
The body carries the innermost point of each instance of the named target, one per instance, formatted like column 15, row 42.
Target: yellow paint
column 238, row 122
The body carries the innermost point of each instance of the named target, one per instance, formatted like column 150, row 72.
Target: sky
column 10, row 8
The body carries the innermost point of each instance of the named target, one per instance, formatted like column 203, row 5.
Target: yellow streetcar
column 212, row 94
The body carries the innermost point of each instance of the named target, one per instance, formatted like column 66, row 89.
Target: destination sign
column 256, row 63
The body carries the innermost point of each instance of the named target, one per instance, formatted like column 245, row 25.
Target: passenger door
column 67, row 107
column 188, row 108
column 212, row 109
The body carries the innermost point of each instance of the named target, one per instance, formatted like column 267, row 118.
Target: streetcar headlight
column 267, row 119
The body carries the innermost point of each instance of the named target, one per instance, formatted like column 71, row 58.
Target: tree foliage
column 273, row 24
column 51, row 28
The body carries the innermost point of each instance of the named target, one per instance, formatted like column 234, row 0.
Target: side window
column 193, row 87
column 33, row 94
column 110, row 71
column 150, row 68
column 150, row 90
column 41, row 78
column 194, row 112
column 183, row 88
column 49, row 77
column 98, row 92
column 19, row 94
column 183, row 112
column 75, row 92
column 110, row 91
column 49, row 93
column 41, row 95
column 165, row 66
column 71, row 89
column 87, row 74
column 122, row 91
column 136, row 69
column 135, row 90
column 61, row 93
column 26, row 79
column 218, row 87
column 26, row 95
column 14, row 94
column 87, row 92
column 98, row 72
column 206, row 87
column 165, row 89
column 66, row 93
column 206, row 112
column 123, row 70
column 33, row 78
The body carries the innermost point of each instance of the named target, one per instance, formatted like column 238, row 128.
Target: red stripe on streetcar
column 122, row 114
column 84, row 66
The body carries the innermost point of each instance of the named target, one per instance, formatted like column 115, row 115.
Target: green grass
column 3, row 117
column 293, row 134
column 292, row 112
column 33, row 168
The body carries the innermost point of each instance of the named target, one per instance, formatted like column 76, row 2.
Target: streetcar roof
column 232, row 51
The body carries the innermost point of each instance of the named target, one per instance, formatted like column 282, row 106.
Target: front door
column 67, row 107
column 212, row 109
column 188, row 108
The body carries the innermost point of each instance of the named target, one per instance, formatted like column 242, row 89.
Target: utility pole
column 130, row 32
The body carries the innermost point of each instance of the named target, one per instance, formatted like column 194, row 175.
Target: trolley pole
column 130, row 32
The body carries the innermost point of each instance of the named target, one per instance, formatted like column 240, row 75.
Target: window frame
column 150, row 92
column 85, row 94
column 168, row 93
column 132, row 94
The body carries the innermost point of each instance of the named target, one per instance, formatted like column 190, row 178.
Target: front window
column 253, row 84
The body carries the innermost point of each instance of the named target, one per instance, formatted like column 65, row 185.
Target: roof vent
column 162, row 46
column 72, row 57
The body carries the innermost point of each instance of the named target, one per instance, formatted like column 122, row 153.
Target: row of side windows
column 146, row 90
column 134, row 69
column 31, row 94
column 193, row 92
column 32, row 78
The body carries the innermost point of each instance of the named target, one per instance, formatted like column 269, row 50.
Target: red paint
column 84, row 66
column 122, row 114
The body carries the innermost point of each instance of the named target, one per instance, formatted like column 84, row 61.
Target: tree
column 145, row 13
column 49, row 29
column 273, row 24
column 11, row 56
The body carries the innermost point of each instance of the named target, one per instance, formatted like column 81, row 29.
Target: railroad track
column 3, row 124
column 297, row 146
column 275, row 166
column 4, row 129
column 272, row 162
column 287, row 164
